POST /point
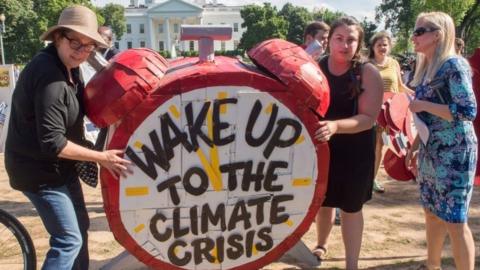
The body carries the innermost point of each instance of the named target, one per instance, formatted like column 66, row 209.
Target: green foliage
column 262, row 23
column 231, row 53
column 165, row 54
column 327, row 15
column 400, row 15
column 115, row 18
column 21, row 38
column 369, row 28
column 26, row 20
column 189, row 53
column 297, row 18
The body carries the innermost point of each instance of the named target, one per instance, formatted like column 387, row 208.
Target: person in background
column 445, row 102
column 45, row 135
column 107, row 35
column 316, row 32
column 356, row 97
column 389, row 68
column 459, row 46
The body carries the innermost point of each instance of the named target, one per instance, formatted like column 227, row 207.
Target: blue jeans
column 64, row 215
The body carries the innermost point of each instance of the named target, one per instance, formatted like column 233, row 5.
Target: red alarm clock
column 226, row 171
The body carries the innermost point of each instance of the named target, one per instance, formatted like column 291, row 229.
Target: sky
column 357, row 8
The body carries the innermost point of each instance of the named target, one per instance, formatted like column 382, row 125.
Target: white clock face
column 222, row 175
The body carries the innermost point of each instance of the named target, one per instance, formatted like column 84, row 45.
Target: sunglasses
column 77, row 45
column 422, row 30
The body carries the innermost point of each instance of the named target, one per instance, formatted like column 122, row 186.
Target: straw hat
column 79, row 19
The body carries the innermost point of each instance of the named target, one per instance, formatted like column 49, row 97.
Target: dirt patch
column 393, row 236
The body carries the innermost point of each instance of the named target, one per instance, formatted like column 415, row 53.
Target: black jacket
column 109, row 53
column 45, row 113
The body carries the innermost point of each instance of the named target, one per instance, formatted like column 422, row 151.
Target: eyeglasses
column 422, row 30
column 77, row 45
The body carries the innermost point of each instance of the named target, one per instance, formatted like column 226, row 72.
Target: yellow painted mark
column 269, row 108
column 297, row 182
column 289, row 223
column 223, row 107
column 210, row 123
column 136, row 191
column 215, row 255
column 176, row 250
column 215, row 180
column 139, row 228
column 173, row 109
column 214, row 159
column 254, row 250
column 300, row 140
column 138, row 145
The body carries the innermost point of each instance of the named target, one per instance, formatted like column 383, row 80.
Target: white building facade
column 156, row 24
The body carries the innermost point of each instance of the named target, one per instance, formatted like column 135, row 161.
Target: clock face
column 223, row 177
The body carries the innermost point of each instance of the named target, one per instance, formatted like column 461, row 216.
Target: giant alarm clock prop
column 226, row 171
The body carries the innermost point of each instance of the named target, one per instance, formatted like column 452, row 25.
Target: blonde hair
column 445, row 47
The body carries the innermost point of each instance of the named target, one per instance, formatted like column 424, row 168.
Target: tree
column 262, row 23
column 369, row 28
column 115, row 18
column 48, row 11
column 26, row 20
column 297, row 18
column 21, row 37
column 467, row 28
column 400, row 16
column 326, row 15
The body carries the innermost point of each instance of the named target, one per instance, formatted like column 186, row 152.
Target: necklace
column 382, row 65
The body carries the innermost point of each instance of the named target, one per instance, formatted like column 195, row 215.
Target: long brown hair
column 357, row 61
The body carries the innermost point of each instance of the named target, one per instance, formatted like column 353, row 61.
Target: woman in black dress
column 355, row 100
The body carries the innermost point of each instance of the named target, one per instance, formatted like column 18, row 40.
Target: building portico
column 157, row 26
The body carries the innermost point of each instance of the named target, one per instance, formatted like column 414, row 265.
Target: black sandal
column 320, row 252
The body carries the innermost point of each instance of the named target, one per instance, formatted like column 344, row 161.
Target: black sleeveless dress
column 352, row 156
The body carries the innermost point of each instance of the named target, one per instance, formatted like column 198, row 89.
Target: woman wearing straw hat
column 45, row 135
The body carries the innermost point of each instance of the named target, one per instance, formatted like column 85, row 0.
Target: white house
column 156, row 24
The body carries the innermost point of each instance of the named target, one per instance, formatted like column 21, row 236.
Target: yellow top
column 389, row 73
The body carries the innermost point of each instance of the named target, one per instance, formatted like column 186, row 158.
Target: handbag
column 87, row 170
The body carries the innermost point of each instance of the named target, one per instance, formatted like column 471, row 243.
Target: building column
column 151, row 40
column 183, row 43
column 168, row 45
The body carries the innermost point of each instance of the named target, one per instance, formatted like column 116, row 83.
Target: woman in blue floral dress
column 445, row 102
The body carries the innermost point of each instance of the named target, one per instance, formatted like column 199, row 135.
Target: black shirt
column 109, row 53
column 45, row 113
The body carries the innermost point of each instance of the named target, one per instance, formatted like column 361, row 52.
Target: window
column 175, row 27
column 142, row 44
column 192, row 45
column 160, row 28
column 117, row 45
column 222, row 46
column 142, row 28
column 161, row 46
column 235, row 44
column 235, row 27
column 129, row 44
column 129, row 28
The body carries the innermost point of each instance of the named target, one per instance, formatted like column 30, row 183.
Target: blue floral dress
column 448, row 160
